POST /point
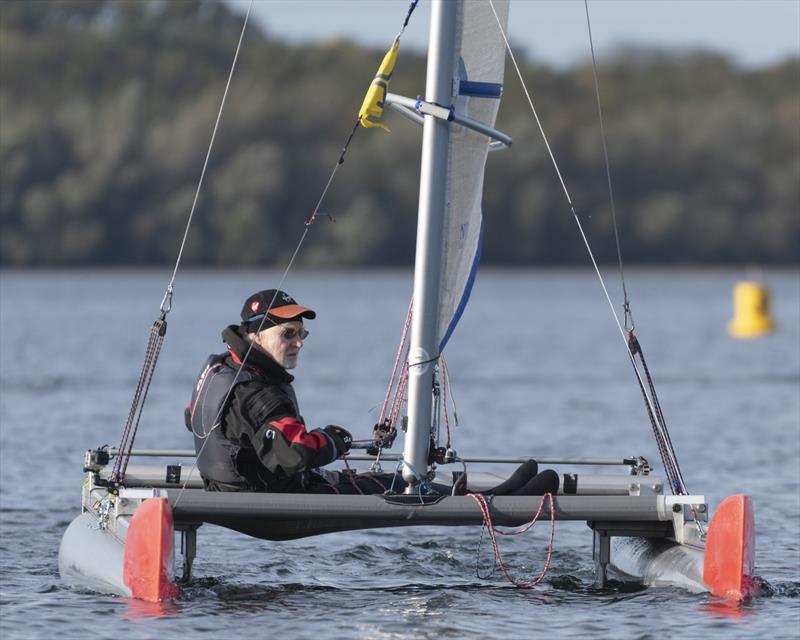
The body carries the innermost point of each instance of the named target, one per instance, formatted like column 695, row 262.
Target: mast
column 430, row 224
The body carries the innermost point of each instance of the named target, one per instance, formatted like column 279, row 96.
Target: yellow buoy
column 751, row 315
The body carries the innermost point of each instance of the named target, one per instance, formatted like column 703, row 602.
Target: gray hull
column 659, row 563
column 92, row 558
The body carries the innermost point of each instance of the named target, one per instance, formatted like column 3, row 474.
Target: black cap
column 278, row 305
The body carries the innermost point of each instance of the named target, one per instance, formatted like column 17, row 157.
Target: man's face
column 282, row 342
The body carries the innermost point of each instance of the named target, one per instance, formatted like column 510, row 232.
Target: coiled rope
column 389, row 414
column 398, row 381
column 494, row 531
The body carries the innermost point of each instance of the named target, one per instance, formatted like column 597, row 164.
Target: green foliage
column 107, row 107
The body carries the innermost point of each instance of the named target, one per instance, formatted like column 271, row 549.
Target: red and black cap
column 278, row 306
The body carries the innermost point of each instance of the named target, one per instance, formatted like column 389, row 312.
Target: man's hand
column 341, row 438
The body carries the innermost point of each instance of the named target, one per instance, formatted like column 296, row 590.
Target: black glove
column 341, row 438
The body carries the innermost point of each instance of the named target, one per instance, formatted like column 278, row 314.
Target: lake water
column 538, row 368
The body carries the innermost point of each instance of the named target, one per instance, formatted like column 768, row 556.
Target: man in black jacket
column 248, row 431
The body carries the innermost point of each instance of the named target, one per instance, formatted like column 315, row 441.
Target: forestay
column 479, row 58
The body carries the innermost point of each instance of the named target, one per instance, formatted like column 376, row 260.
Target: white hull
column 660, row 563
column 121, row 544
column 92, row 558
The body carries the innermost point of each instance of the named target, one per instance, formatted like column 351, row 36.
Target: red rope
column 483, row 503
column 332, row 486
column 399, row 397
column 397, row 361
column 376, row 481
column 350, row 477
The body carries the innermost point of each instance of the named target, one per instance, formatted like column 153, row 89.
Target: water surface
column 538, row 367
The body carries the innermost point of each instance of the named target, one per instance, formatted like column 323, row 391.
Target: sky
column 754, row 33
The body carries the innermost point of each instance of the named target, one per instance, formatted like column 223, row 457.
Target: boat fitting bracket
column 683, row 509
column 639, row 466
column 411, row 108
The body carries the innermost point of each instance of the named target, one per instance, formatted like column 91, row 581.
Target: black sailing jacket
column 256, row 440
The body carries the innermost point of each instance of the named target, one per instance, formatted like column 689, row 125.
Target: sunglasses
column 290, row 333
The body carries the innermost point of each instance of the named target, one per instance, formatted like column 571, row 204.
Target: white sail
column 479, row 61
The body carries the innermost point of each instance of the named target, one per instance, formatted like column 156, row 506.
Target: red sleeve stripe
column 295, row 432
column 321, row 440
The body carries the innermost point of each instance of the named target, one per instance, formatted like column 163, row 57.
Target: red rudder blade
column 147, row 567
column 730, row 549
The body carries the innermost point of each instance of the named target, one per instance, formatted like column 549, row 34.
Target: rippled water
column 538, row 368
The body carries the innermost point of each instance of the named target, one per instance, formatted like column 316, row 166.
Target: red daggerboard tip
column 730, row 550
column 147, row 568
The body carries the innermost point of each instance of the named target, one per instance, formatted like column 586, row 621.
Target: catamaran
column 647, row 527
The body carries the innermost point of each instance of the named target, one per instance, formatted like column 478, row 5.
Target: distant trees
column 106, row 110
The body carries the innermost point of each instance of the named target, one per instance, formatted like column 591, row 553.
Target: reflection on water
column 135, row 610
column 728, row 609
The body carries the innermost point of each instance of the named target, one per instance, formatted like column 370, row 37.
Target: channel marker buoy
column 751, row 313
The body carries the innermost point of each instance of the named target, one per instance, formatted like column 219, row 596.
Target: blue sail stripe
column 480, row 89
column 467, row 291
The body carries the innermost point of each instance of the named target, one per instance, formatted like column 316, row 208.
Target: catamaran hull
column 644, row 537
column 92, row 558
column 129, row 555
column 658, row 563
column 720, row 559
column 651, row 561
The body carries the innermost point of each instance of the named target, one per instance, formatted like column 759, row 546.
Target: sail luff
column 479, row 61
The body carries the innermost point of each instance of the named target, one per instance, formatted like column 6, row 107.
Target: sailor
column 249, row 434
column 248, row 431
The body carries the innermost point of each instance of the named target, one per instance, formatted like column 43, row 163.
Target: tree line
column 107, row 107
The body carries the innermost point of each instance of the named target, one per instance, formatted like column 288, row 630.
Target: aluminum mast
column 430, row 224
